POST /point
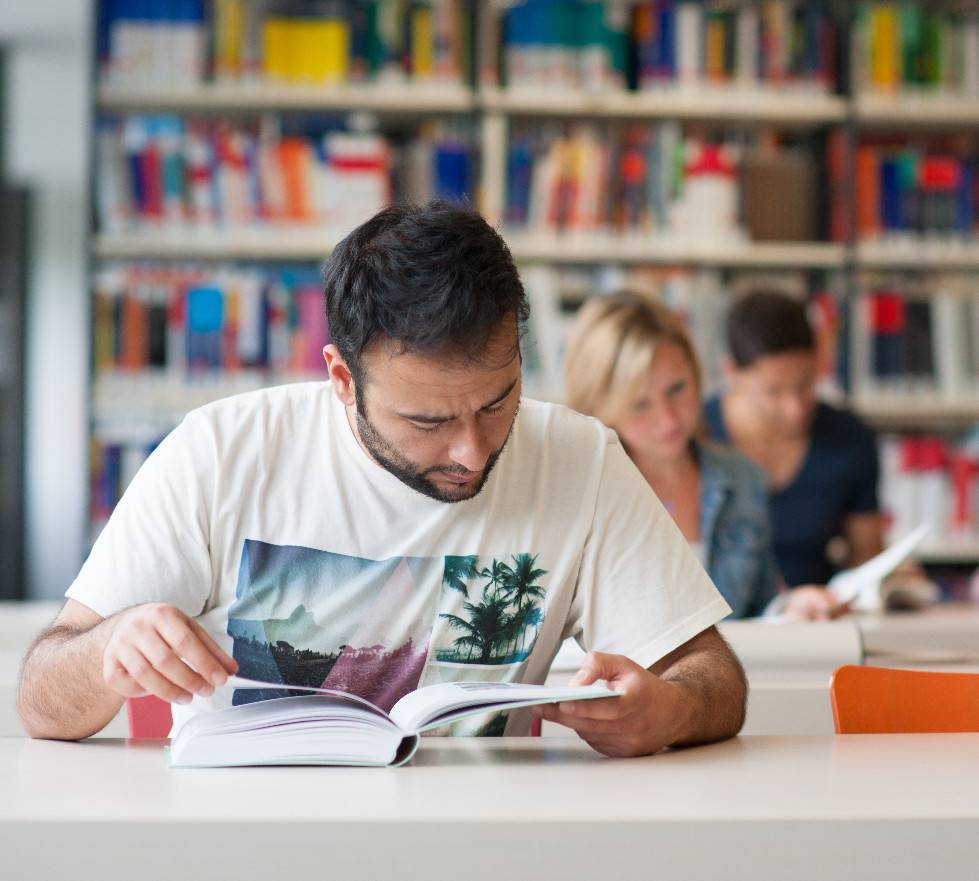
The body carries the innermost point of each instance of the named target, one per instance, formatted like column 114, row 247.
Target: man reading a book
column 412, row 520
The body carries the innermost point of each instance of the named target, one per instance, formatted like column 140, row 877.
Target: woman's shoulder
column 724, row 463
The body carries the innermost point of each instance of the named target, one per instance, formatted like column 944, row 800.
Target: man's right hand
column 156, row 649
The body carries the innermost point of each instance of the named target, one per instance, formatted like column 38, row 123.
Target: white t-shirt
column 262, row 516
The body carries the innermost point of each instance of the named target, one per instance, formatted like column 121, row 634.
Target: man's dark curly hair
column 430, row 279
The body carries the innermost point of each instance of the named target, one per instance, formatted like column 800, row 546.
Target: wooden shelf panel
column 585, row 248
column 392, row 98
column 927, row 255
column 802, row 108
column 900, row 110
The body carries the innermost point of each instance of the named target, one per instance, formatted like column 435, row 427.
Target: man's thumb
column 597, row 665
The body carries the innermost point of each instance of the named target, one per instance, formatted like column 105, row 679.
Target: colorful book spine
column 917, row 190
column 917, row 46
column 165, row 172
column 184, row 323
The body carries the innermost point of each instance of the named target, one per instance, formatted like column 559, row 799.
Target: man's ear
column 340, row 376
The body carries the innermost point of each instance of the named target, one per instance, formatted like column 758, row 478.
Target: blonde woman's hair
column 611, row 349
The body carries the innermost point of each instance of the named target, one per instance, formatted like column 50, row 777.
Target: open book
column 327, row 727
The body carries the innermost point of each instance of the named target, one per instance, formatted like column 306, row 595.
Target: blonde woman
column 631, row 363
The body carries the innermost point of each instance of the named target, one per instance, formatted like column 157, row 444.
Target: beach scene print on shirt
column 304, row 616
column 500, row 613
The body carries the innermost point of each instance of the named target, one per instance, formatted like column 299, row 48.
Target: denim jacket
column 735, row 530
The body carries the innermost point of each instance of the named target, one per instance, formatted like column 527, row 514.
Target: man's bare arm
column 62, row 693
column 78, row 671
column 710, row 671
column 695, row 694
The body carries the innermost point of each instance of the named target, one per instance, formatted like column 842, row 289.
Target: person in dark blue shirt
column 821, row 462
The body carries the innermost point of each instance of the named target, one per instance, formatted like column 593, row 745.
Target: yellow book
column 229, row 26
column 885, row 47
column 422, row 35
column 276, row 33
column 332, row 51
column 714, row 50
column 304, row 54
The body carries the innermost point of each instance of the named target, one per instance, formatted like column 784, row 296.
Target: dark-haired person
column 397, row 526
column 821, row 462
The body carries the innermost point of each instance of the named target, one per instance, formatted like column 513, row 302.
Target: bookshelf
column 484, row 95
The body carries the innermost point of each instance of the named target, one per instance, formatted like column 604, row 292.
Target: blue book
column 892, row 200
column 205, row 317
column 451, row 171
column 965, row 210
column 666, row 31
column 520, row 169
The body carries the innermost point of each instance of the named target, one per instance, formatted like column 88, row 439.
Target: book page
column 243, row 682
column 852, row 583
column 448, row 701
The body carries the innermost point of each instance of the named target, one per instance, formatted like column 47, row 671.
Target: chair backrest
column 149, row 717
column 877, row 700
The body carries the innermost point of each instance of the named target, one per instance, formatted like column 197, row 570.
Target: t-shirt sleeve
column 641, row 591
column 155, row 547
column 866, row 471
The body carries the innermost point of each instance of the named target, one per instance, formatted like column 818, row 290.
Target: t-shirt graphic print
column 303, row 616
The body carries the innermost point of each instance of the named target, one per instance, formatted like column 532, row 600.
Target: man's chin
column 450, row 491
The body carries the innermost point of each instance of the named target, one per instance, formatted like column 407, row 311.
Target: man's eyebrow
column 438, row 420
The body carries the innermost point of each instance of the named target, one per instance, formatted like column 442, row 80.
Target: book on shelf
column 168, row 43
column 917, row 48
column 931, row 480
column 181, row 321
column 320, row 726
column 912, row 190
column 669, row 44
column 917, row 338
column 152, row 42
column 165, row 172
column 643, row 179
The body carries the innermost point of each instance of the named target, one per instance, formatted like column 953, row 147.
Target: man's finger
column 599, row 665
column 595, row 708
column 226, row 661
column 607, row 727
column 185, row 642
column 166, row 661
column 140, row 669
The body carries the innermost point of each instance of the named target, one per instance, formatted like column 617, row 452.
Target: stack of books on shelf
column 669, row 44
column 179, row 323
column 926, row 479
column 911, row 191
column 917, row 339
column 917, row 48
column 646, row 179
column 167, row 172
column 162, row 43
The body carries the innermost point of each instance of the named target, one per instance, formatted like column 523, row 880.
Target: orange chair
column 149, row 717
column 876, row 700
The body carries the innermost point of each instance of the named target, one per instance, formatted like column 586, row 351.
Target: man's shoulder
column 841, row 426
column 261, row 415
column 548, row 424
column 264, row 400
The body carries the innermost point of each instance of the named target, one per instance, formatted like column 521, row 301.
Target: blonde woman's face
column 663, row 418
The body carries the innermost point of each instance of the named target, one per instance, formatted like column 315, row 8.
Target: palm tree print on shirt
column 501, row 626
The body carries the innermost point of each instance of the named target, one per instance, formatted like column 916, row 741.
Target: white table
column 858, row 807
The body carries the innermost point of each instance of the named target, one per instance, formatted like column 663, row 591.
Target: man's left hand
column 650, row 714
